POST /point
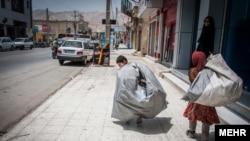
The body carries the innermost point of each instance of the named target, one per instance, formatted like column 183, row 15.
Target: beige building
column 55, row 27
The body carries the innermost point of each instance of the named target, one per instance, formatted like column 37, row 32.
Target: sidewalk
column 81, row 111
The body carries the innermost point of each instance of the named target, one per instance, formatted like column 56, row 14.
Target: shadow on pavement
column 156, row 125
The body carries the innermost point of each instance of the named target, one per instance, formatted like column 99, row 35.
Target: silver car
column 6, row 44
column 23, row 43
column 76, row 51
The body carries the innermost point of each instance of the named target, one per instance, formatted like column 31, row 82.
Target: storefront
column 169, row 28
column 153, row 35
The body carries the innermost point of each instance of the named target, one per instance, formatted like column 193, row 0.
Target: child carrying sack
column 215, row 85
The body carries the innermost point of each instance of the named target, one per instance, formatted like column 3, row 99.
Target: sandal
column 190, row 133
column 139, row 120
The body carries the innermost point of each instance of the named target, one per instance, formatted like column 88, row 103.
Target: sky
column 78, row 5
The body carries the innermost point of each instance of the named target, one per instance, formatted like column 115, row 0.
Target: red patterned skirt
column 195, row 111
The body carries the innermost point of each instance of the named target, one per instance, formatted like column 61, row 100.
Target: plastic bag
column 217, row 85
column 131, row 99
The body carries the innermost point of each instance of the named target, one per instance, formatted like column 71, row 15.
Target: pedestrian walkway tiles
column 81, row 111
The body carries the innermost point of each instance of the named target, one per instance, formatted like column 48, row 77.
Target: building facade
column 15, row 18
column 172, row 28
column 55, row 27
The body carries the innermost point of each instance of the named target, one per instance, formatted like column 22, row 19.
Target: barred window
column 2, row 3
column 17, row 6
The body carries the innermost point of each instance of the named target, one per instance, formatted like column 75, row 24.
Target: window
column 8, row 40
column 28, row 4
column 17, row 5
column 2, row 3
column 93, row 45
column 86, row 46
column 78, row 44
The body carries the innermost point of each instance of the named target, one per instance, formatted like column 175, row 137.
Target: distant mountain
column 94, row 18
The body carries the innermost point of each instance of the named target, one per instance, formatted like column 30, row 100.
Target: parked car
column 6, row 44
column 76, row 51
column 94, row 43
column 23, row 43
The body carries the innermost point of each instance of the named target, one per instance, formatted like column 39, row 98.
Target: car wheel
column 31, row 47
column 1, row 49
column 61, row 62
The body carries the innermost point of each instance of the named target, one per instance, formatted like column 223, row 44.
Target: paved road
column 28, row 78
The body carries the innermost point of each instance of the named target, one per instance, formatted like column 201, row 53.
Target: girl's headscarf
column 198, row 59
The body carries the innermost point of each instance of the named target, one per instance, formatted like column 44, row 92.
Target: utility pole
column 116, row 13
column 74, row 24
column 108, row 27
column 108, row 21
column 116, row 32
column 47, row 24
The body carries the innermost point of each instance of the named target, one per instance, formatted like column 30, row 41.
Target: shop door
column 170, row 44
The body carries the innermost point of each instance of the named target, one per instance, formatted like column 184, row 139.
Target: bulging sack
column 133, row 99
column 216, row 85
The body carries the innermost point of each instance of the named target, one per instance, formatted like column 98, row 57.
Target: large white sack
column 129, row 102
column 216, row 85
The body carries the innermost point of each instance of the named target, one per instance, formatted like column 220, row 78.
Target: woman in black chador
column 206, row 40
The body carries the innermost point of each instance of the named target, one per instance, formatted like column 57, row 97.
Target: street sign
column 103, row 42
column 119, row 28
column 45, row 28
column 111, row 21
column 35, row 29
